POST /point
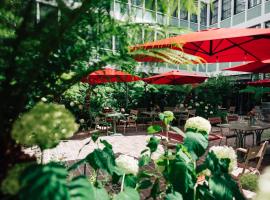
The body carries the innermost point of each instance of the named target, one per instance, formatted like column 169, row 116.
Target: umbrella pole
column 126, row 95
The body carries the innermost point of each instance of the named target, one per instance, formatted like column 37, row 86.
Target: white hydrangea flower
column 128, row 164
column 199, row 124
column 226, row 152
column 81, row 121
column 197, row 104
column 43, row 99
column 201, row 102
column 71, row 103
column 206, row 107
column 264, row 185
column 211, row 112
column 190, row 107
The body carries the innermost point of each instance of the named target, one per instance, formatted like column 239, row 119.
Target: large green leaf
column 154, row 129
column 81, row 189
column 182, row 176
column 196, row 144
column 130, row 181
column 153, row 144
column 44, row 182
column 128, row 193
column 102, row 159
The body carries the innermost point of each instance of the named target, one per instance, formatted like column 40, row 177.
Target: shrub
column 249, row 182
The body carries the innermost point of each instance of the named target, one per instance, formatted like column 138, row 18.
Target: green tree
column 42, row 58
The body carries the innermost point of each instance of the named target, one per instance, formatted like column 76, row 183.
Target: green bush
column 249, row 182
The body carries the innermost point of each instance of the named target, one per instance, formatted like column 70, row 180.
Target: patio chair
column 102, row 124
column 183, row 117
column 130, row 121
column 230, row 134
column 216, row 132
column 255, row 153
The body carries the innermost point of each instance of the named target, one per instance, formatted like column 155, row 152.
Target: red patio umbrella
column 217, row 45
column 109, row 75
column 261, row 83
column 254, row 67
column 176, row 77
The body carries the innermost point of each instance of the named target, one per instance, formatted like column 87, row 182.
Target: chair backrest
column 256, row 152
column 232, row 109
column 215, row 120
column 231, row 118
column 134, row 112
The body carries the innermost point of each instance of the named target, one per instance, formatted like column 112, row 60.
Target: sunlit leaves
column 153, row 144
column 196, row 144
column 154, row 129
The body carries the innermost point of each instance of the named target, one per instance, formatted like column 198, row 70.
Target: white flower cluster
column 199, row 124
column 264, row 185
column 226, row 152
column 44, row 125
column 128, row 164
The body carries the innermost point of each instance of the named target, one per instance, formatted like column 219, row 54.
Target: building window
column 252, row 3
column 193, row 18
column 226, row 9
column 137, row 2
column 203, row 14
column 239, row 6
column 267, row 24
column 214, row 13
column 183, row 14
column 255, row 26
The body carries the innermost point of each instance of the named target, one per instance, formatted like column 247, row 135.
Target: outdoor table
column 242, row 129
column 114, row 116
column 151, row 114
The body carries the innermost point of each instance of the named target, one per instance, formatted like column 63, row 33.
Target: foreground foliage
column 175, row 175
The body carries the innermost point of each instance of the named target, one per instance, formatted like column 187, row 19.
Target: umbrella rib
column 244, row 49
column 202, row 50
column 220, row 41
column 233, row 45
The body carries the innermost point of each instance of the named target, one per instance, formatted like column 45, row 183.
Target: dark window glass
column 252, row 3
column 136, row 2
column 267, row 24
column 226, row 9
column 183, row 14
column 193, row 18
column 203, row 14
column 214, row 13
column 239, row 6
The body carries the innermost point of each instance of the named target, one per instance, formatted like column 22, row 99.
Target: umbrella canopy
column 217, row 45
column 109, row 75
column 176, row 77
column 261, row 83
column 254, row 67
